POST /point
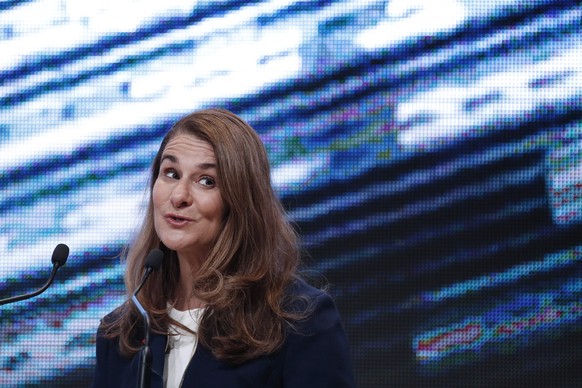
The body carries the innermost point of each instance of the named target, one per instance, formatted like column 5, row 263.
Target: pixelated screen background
column 430, row 153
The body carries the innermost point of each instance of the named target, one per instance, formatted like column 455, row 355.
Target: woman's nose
column 181, row 195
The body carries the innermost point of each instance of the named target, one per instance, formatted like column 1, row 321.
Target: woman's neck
column 185, row 300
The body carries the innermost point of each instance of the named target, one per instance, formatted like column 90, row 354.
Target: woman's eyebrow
column 207, row 166
column 170, row 157
column 202, row 166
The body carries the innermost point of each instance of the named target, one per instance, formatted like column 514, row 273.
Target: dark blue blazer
column 315, row 354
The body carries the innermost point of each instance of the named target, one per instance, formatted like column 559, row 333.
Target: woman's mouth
column 177, row 219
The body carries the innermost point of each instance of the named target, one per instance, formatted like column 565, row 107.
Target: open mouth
column 176, row 218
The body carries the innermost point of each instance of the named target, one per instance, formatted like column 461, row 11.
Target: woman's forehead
column 188, row 144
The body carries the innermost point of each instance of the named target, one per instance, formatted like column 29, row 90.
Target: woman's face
column 188, row 207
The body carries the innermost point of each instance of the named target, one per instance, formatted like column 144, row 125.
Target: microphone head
column 60, row 255
column 154, row 259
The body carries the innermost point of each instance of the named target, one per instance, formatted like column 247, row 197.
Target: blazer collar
column 158, row 358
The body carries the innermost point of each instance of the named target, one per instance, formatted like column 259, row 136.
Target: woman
column 226, row 308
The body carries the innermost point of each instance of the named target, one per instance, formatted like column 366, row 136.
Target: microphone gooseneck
column 153, row 262
column 60, row 254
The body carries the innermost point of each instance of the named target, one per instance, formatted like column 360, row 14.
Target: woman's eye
column 207, row 181
column 171, row 173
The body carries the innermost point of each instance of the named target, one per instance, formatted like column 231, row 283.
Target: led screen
column 429, row 152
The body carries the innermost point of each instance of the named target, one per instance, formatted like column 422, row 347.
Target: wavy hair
column 245, row 278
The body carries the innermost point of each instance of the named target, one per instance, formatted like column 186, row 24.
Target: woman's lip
column 177, row 218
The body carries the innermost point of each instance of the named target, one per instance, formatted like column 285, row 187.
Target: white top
column 181, row 346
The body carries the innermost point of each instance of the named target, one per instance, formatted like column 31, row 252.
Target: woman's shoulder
column 110, row 320
column 300, row 287
column 114, row 314
column 315, row 305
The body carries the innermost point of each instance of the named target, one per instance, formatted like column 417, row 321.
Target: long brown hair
column 244, row 279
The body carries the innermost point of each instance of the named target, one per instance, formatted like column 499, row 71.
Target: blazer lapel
column 158, row 353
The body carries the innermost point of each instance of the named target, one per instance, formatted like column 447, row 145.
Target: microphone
column 152, row 263
column 59, row 259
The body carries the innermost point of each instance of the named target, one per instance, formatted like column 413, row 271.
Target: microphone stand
column 153, row 262
column 144, row 353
